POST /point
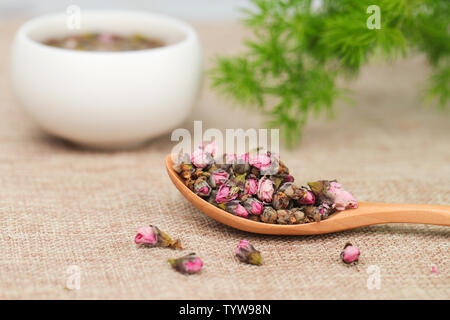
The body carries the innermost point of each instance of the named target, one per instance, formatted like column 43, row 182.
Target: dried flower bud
column 265, row 190
column 332, row 194
column 202, row 188
column 182, row 158
column 253, row 206
column 238, row 180
column 315, row 214
column 256, row 218
column 260, row 161
column 292, row 216
column 307, row 198
column 245, row 252
column 300, row 194
column 226, row 193
column 201, row 159
column 190, row 183
column 236, row 208
column 241, row 165
column 280, row 201
column 269, row 215
column 153, row 236
column 277, row 181
column 254, row 173
column 350, row 254
column 188, row 264
column 218, row 177
column 251, row 186
column 212, row 197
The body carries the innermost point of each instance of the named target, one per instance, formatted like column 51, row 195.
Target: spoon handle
column 378, row 213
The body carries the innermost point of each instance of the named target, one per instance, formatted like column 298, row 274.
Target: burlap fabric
column 62, row 205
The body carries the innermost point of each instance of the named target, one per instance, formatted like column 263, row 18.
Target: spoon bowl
column 367, row 213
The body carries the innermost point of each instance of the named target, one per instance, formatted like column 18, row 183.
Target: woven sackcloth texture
column 62, row 205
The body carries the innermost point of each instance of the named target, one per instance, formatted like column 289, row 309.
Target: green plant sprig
column 297, row 53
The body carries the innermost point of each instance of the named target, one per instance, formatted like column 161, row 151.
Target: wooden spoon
column 367, row 213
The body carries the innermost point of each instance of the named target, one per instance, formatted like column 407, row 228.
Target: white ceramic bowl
column 107, row 99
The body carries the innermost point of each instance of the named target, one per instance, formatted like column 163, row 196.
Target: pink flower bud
column 260, row 161
column 307, row 198
column 105, row 37
column 202, row 188
column 241, row 212
column 226, row 193
column 251, row 186
column 350, row 254
column 201, row 159
column 253, row 206
column 236, row 208
column 265, row 190
column 188, row 264
column 145, row 235
column 245, row 252
column 343, row 199
column 332, row 194
column 152, row 236
column 218, row 177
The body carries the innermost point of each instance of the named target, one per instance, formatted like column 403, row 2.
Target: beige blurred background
column 62, row 205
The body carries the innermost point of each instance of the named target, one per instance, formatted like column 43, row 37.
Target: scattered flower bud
column 245, row 252
column 152, row 236
column 251, row 186
column 265, row 190
column 253, row 206
column 269, row 215
column 350, row 254
column 280, row 201
column 202, row 188
column 188, row 264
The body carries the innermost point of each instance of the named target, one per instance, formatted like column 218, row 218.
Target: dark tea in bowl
column 122, row 78
column 104, row 41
